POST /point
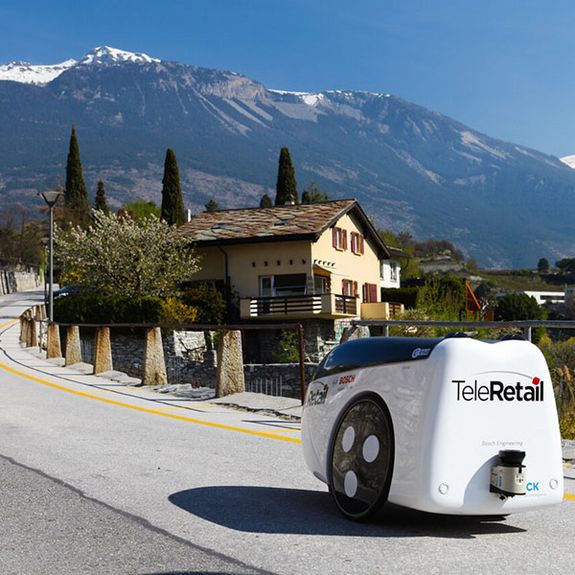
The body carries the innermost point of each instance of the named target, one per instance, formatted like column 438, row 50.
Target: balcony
column 325, row 306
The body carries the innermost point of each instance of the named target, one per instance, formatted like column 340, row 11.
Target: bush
column 209, row 302
column 99, row 309
column 288, row 347
column 175, row 312
column 518, row 306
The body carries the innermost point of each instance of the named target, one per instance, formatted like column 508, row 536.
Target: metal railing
column 346, row 304
column 526, row 326
column 285, row 305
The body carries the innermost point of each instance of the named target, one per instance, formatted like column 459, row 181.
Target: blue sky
column 504, row 67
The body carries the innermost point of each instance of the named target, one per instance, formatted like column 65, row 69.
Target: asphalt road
column 102, row 479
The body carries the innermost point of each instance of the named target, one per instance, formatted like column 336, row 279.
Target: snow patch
column 107, row 55
column 27, row 73
column 471, row 140
column 309, row 98
column 569, row 160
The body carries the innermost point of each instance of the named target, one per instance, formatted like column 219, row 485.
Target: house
column 296, row 262
column 547, row 297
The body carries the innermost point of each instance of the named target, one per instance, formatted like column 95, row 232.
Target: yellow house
column 294, row 262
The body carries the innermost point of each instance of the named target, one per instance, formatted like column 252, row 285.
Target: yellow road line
column 569, row 496
column 147, row 410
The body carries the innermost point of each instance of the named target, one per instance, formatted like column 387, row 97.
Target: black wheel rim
column 362, row 459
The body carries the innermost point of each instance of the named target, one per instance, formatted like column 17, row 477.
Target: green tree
column 209, row 301
column 313, row 195
column 566, row 265
column 543, row 266
column 443, row 297
column 139, row 210
column 212, row 206
column 75, row 192
column 266, row 202
column 286, row 185
column 518, row 306
column 101, row 203
column 172, row 201
column 121, row 257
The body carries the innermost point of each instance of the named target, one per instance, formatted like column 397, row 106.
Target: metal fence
column 526, row 326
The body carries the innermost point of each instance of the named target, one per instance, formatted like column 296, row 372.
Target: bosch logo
column 498, row 391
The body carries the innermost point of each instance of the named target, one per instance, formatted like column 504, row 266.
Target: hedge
column 79, row 309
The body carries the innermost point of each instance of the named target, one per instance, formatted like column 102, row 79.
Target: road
column 98, row 478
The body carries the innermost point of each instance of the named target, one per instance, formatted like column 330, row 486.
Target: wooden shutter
column 344, row 239
column 334, row 237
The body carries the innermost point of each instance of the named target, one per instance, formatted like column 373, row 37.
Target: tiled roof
column 259, row 224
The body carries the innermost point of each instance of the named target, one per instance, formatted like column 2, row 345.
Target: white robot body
column 460, row 410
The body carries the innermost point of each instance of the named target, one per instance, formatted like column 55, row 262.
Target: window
column 349, row 288
column 369, row 293
column 357, row 243
column 393, row 270
column 282, row 285
column 339, row 239
column 321, row 284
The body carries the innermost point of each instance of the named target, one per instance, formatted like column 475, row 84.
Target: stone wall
column 189, row 360
column 13, row 281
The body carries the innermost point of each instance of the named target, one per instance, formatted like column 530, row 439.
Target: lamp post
column 45, row 242
column 51, row 198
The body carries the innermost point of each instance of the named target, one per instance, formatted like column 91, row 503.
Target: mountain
column 412, row 169
column 569, row 160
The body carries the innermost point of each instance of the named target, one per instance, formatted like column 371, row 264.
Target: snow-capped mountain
column 42, row 74
column 412, row 169
column 107, row 55
column 33, row 74
column 569, row 160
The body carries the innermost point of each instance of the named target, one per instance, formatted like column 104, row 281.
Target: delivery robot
column 449, row 425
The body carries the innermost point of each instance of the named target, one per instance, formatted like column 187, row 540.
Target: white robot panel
column 451, row 425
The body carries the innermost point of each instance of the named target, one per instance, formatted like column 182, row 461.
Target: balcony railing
column 300, row 306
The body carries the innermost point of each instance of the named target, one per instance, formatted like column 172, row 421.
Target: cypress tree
column 75, row 192
column 101, row 202
column 266, row 202
column 172, row 210
column 286, row 186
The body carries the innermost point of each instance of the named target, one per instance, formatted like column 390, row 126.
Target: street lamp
column 51, row 198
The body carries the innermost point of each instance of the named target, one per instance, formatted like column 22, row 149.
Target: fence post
column 23, row 329
column 103, row 350
column 53, row 345
column 32, row 333
column 154, row 363
column 230, row 369
column 73, row 347
column 527, row 332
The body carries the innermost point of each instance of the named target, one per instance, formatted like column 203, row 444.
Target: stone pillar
column 230, row 370
column 103, row 350
column 32, row 333
column 154, row 364
column 23, row 328
column 53, row 346
column 73, row 347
